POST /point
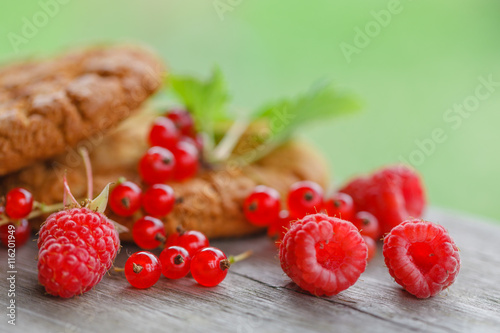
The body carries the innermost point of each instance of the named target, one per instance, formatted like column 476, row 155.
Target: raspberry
column 421, row 257
column 323, row 255
column 392, row 194
column 76, row 248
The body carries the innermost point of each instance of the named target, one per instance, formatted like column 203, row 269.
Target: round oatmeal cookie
column 47, row 107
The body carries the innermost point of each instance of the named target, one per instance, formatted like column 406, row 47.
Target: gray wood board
column 257, row 297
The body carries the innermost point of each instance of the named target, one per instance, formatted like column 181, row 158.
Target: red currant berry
column 158, row 200
column 148, row 233
column 367, row 224
column 372, row 247
column 340, row 205
column 191, row 240
column 183, row 121
column 125, row 198
column 157, row 165
column 18, row 234
column 262, row 206
column 142, row 269
column 278, row 228
column 305, row 197
column 209, row 266
column 187, row 161
column 164, row 133
column 175, row 262
column 18, row 203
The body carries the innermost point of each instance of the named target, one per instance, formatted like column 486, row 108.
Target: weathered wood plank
column 257, row 296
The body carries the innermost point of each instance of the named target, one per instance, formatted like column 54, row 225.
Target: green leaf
column 206, row 100
column 320, row 102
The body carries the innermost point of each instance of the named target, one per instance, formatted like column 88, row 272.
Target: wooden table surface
column 257, row 297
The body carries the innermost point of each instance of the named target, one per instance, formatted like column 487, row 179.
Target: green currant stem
column 39, row 209
column 226, row 146
column 240, row 257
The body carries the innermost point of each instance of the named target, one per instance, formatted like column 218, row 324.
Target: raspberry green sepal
column 101, row 201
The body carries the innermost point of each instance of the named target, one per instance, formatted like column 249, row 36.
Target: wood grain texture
column 257, row 297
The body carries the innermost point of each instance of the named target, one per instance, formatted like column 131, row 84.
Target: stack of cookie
column 95, row 98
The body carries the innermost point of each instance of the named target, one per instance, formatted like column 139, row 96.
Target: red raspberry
column 76, row 248
column 323, row 255
column 421, row 257
column 392, row 194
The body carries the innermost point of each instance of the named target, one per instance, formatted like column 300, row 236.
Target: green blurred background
column 414, row 65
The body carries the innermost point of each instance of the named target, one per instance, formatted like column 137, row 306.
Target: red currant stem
column 160, row 238
column 226, row 146
column 119, row 269
column 240, row 257
column 137, row 268
column 178, row 259
column 67, row 192
column 88, row 169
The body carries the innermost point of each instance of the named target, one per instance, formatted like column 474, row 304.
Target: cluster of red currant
column 184, row 252
column 263, row 208
column 175, row 149
column 18, row 206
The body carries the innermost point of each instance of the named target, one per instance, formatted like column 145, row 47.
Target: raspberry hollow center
column 423, row 256
column 330, row 254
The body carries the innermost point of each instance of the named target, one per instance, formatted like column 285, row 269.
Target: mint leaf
column 320, row 102
column 206, row 100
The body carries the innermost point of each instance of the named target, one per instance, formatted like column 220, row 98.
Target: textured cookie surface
column 49, row 106
column 212, row 202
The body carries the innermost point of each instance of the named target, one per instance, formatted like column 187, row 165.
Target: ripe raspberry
column 323, row 255
column 76, row 248
column 421, row 257
column 392, row 194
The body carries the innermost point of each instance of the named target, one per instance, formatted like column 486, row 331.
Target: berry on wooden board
column 209, row 266
column 262, row 206
column 76, row 248
column 421, row 257
column 175, row 262
column 323, row 255
column 125, row 198
column 158, row 200
column 305, row 197
column 148, row 232
column 142, row 269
